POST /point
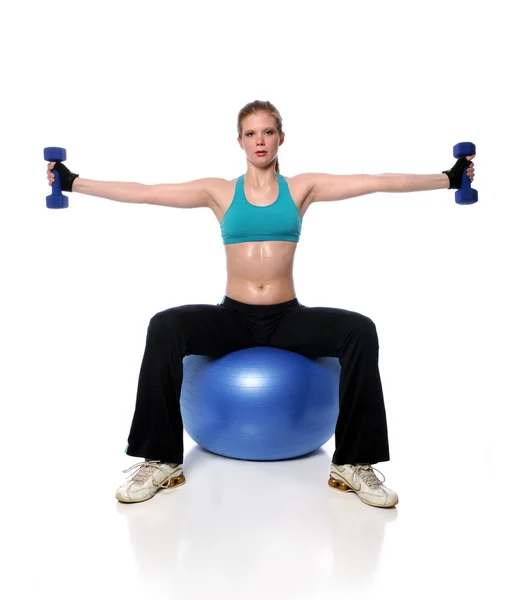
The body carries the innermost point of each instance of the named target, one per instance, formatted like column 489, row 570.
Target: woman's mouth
column 261, row 153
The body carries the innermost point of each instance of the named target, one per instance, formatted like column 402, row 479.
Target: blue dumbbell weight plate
column 53, row 154
column 463, row 149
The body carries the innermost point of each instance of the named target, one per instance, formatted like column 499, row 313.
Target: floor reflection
column 274, row 522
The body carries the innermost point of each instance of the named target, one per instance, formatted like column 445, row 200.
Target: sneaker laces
column 145, row 470
column 366, row 473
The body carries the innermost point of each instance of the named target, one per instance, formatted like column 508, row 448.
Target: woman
column 260, row 215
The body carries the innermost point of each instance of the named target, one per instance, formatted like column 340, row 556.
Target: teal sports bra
column 245, row 222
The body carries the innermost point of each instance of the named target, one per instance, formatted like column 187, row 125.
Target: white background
column 150, row 92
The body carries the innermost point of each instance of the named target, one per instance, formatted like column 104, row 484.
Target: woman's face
column 259, row 132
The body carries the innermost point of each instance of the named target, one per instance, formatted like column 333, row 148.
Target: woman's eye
column 250, row 133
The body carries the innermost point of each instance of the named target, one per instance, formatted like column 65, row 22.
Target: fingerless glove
column 456, row 173
column 66, row 177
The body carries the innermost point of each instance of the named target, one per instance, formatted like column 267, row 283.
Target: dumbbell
column 465, row 195
column 56, row 199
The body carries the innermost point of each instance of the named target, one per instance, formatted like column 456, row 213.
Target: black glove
column 456, row 173
column 66, row 176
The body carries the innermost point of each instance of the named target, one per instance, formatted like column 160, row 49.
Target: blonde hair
column 258, row 106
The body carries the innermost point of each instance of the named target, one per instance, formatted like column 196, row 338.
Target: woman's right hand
column 66, row 176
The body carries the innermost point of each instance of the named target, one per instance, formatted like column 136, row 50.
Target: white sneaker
column 362, row 480
column 150, row 477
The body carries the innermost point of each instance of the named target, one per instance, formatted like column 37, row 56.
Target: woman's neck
column 260, row 178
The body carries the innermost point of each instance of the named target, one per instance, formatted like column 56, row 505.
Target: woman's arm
column 401, row 182
column 191, row 194
column 112, row 190
column 324, row 187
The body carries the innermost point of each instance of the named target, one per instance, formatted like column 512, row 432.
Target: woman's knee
column 367, row 329
column 367, row 324
column 362, row 325
column 165, row 320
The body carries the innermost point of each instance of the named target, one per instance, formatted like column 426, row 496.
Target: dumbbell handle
column 57, row 185
column 465, row 181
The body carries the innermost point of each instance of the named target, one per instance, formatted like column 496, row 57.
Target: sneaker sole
column 340, row 486
column 345, row 488
column 174, row 483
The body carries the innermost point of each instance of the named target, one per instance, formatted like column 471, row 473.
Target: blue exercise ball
column 260, row 403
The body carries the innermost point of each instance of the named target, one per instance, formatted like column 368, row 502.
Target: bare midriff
column 260, row 272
